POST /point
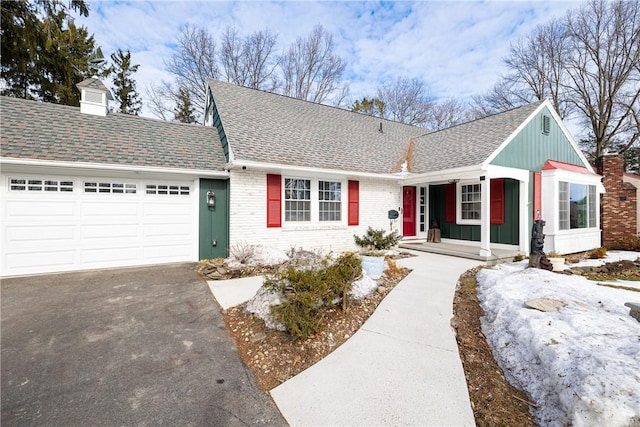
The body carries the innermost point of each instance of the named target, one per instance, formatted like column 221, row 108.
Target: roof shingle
column 43, row 131
column 265, row 127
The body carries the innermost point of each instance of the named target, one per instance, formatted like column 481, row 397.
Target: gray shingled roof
column 265, row 127
column 467, row 144
column 37, row 130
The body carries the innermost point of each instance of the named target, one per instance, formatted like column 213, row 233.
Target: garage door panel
column 110, row 256
column 175, row 230
column 40, row 233
column 109, row 231
column 164, row 210
column 167, row 253
column 108, row 208
column 39, row 261
column 36, row 208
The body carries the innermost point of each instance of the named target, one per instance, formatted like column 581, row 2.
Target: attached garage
column 63, row 223
column 85, row 191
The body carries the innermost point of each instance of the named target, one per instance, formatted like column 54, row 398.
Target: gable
column 531, row 147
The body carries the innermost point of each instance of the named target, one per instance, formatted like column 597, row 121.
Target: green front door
column 214, row 218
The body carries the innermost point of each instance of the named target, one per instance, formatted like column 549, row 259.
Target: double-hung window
column 470, row 196
column 297, row 200
column 330, row 200
column 310, row 200
column 576, row 205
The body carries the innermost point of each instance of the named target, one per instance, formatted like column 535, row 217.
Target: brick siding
column 618, row 208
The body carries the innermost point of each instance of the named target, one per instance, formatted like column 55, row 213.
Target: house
column 634, row 180
column 305, row 174
column 85, row 188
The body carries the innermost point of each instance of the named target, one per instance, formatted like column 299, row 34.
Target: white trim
column 459, row 219
column 89, row 167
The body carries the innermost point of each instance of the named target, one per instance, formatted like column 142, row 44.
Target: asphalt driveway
column 143, row 346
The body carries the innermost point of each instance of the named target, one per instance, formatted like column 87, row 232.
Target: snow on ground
column 580, row 365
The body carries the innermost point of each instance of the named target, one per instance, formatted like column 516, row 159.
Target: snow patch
column 581, row 364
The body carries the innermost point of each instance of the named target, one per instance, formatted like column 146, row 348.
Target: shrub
column 518, row 258
column 310, row 292
column 242, row 253
column 597, row 253
column 377, row 240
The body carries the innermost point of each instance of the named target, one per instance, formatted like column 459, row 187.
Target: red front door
column 409, row 210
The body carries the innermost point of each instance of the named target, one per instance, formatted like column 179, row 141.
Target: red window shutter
column 450, row 202
column 353, row 215
column 537, row 195
column 496, row 204
column 274, row 200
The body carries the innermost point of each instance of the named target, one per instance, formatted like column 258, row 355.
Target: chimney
column 94, row 98
column 618, row 207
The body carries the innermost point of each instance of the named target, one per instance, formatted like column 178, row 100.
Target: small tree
column 184, row 111
column 125, row 86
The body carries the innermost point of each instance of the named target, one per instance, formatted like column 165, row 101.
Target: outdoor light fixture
column 211, row 199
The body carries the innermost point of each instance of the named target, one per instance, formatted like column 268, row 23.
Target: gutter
column 112, row 167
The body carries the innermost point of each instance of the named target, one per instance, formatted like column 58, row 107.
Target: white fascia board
column 468, row 172
column 304, row 170
column 88, row 167
column 505, row 172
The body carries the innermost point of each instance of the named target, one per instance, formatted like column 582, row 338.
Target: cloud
column 456, row 47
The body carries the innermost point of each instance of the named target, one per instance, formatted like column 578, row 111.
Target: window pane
column 592, row 206
column 470, row 201
column 297, row 196
column 563, row 205
column 578, row 206
column 329, row 195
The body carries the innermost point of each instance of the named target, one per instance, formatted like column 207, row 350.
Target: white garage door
column 58, row 223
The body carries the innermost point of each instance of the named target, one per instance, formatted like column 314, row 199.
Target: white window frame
column 315, row 202
column 565, row 206
column 459, row 219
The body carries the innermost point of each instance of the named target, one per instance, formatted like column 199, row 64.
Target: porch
column 461, row 251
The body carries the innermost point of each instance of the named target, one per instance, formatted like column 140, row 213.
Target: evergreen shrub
column 310, row 292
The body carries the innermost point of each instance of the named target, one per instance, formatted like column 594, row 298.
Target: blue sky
column 456, row 47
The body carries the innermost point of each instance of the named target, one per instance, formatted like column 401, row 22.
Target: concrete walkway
column 401, row 368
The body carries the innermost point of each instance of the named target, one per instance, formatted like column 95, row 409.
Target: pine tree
column 184, row 111
column 43, row 52
column 125, row 85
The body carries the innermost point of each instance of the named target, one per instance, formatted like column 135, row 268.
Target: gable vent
column 546, row 125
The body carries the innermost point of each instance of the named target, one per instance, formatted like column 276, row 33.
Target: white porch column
column 485, row 217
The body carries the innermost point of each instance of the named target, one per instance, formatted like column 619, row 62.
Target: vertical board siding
column 530, row 149
column 506, row 233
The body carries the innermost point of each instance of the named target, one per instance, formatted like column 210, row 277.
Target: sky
column 455, row 47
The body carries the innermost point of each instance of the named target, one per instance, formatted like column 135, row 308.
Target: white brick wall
column 248, row 219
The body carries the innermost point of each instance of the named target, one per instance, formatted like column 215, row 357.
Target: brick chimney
column 618, row 207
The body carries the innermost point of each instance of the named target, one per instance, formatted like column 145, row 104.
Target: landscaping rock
column 635, row 310
column 545, row 304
